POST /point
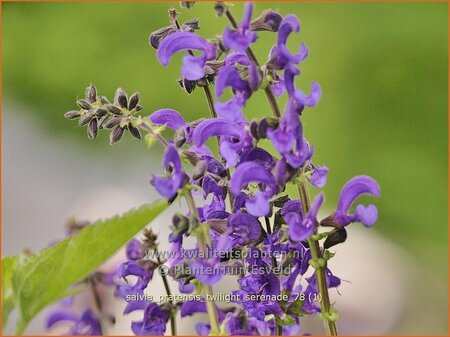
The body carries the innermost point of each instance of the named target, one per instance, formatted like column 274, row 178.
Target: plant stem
column 316, row 254
column 173, row 326
column 268, row 90
column 210, row 305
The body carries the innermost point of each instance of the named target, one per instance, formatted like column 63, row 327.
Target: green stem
column 316, row 254
column 207, row 289
column 173, row 326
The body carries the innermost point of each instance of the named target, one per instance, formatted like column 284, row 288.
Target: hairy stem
column 268, row 90
column 210, row 305
column 173, row 326
column 316, row 254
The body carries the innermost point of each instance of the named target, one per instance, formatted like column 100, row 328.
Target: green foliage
column 47, row 276
column 9, row 264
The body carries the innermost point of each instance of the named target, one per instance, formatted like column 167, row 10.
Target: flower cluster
column 245, row 222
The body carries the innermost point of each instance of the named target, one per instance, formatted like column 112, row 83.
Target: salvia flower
column 85, row 325
column 169, row 186
column 192, row 65
column 154, row 321
column 240, row 39
column 354, row 188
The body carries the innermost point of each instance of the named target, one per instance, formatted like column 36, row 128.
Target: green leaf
column 47, row 276
column 288, row 320
column 9, row 264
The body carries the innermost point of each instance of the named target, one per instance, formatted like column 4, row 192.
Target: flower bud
column 180, row 137
column 109, row 124
column 85, row 118
column 220, row 8
column 84, row 104
column 187, row 4
column 100, row 112
column 199, row 170
column 134, row 131
column 187, row 85
column 180, row 224
column 121, row 98
column 72, row 114
column 139, row 107
column 104, row 100
column 335, row 238
column 269, row 21
column 254, row 129
column 116, row 134
column 92, row 129
column 158, row 35
column 91, row 93
column 190, row 25
column 134, row 100
column 113, row 109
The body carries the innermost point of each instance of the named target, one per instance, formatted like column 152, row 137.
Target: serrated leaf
column 47, row 276
column 9, row 264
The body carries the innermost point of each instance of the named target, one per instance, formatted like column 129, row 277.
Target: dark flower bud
column 72, row 114
column 91, row 93
column 180, row 137
column 134, row 131
column 113, row 109
column 190, row 25
column 280, row 201
column 187, row 4
column 104, row 100
column 84, row 104
column 265, row 123
column 121, row 98
column 180, row 224
column 134, row 100
column 254, row 129
column 92, row 129
column 220, row 8
column 199, row 170
column 149, row 241
column 269, row 20
column 335, row 238
column 278, row 221
column 109, row 124
column 116, row 134
column 187, row 85
column 85, row 118
column 158, row 35
column 100, row 112
column 139, row 107
column 101, row 122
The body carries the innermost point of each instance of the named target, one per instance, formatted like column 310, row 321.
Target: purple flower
column 301, row 228
column 353, row 189
column 241, row 38
column 252, row 172
column 169, row 117
column 85, row 325
column 243, row 228
column 233, row 137
column 192, row 65
column 298, row 99
column 143, row 277
column 280, row 56
column 190, row 308
column 134, row 250
column 319, row 176
column 154, row 321
column 169, row 186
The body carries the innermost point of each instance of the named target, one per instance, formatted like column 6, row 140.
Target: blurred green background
column 382, row 68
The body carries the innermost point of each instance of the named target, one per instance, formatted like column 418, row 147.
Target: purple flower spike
column 228, row 76
column 169, row 186
column 241, row 38
column 299, row 99
column 353, row 189
column 192, row 65
column 319, row 176
column 171, row 118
